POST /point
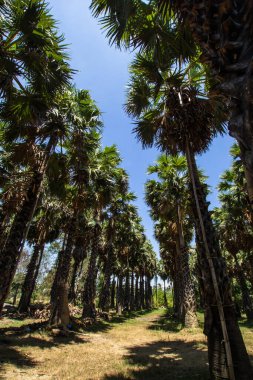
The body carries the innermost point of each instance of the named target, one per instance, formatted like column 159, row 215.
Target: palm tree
column 217, row 34
column 44, row 229
column 234, row 222
column 176, row 117
column 167, row 199
column 118, row 209
column 81, row 148
column 223, row 34
column 33, row 70
column 109, row 179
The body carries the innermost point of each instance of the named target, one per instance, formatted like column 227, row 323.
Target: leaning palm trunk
column 31, row 277
column 59, row 310
column 89, row 292
column 228, row 358
column 10, row 254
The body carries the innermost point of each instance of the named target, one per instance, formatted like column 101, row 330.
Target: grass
column 136, row 346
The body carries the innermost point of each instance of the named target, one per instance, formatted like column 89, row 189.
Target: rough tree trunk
column 164, row 294
column 178, row 291
column 246, row 299
column 142, row 296
column 189, row 316
column 215, row 327
column 31, row 277
column 72, row 287
column 89, row 291
column 127, row 292
column 120, row 296
column 137, row 302
column 148, row 293
column 59, row 313
column 113, row 288
column 10, row 255
column 104, row 301
column 132, row 292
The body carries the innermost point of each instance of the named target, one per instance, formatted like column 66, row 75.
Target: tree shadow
column 166, row 323
column 170, row 359
column 101, row 325
column 173, row 360
column 11, row 343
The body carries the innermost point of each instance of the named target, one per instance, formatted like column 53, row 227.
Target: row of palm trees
column 58, row 183
column 191, row 74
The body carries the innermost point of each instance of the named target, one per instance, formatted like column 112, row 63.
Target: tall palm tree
column 217, row 34
column 33, row 70
column 234, row 222
column 81, row 149
column 176, row 117
column 109, row 179
column 167, row 199
column 118, row 209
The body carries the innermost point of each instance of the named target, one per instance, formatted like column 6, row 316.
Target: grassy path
column 144, row 347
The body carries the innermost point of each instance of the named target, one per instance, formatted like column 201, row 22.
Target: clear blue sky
column 104, row 71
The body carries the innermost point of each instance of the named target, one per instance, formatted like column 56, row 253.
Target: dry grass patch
column 144, row 346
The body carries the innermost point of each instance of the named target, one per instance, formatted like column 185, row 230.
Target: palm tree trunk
column 15, row 294
column 113, row 288
column 251, row 268
column 59, row 313
column 222, row 30
column 10, row 254
column 148, row 293
column 178, row 285
column 132, row 292
column 72, row 287
column 137, row 293
column 164, row 294
column 120, row 295
column 226, row 350
column 105, row 292
column 189, row 316
column 89, row 291
column 31, row 277
column 246, row 299
column 127, row 291
column 142, row 298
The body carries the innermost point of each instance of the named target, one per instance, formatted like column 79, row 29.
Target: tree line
column 190, row 80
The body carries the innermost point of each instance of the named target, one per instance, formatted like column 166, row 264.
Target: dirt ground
column 147, row 346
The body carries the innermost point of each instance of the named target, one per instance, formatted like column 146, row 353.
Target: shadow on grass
column 166, row 323
column 10, row 345
column 101, row 325
column 165, row 360
column 246, row 323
